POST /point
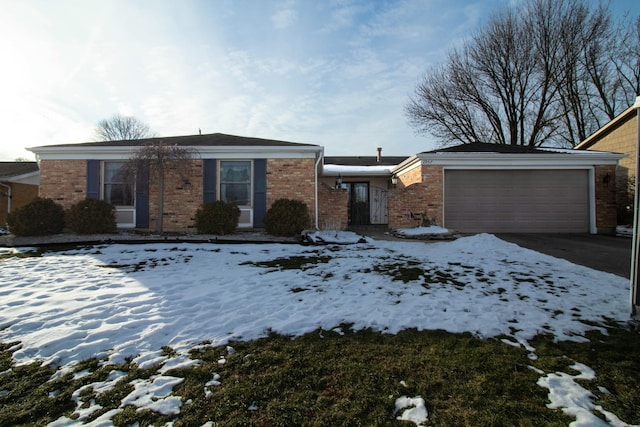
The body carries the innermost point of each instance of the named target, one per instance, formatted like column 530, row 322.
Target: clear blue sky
column 334, row 73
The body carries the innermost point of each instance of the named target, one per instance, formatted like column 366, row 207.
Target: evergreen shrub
column 217, row 218
column 287, row 217
column 91, row 216
column 38, row 218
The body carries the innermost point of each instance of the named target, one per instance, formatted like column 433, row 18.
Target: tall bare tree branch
column 546, row 71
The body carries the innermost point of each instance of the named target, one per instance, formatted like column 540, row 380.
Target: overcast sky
column 333, row 73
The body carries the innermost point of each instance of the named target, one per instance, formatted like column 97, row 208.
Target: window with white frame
column 235, row 182
column 116, row 189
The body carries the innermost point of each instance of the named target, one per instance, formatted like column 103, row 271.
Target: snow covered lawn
column 118, row 302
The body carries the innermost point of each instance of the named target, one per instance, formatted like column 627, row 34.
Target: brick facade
column 418, row 197
column 63, row 181
column 182, row 197
column 292, row 179
column 333, row 206
column 605, row 192
column 622, row 138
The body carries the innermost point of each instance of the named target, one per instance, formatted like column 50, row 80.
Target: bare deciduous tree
column 157, row 159
column 122, row 128
column 546, row 71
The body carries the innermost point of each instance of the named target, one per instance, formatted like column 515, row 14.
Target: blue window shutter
column 142, row 198
column 259, row 192
column 93, row 179
column 209, row 180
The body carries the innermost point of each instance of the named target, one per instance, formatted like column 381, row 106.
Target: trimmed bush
column 287, row 217
column 38, row 218
column 217, row 218
column 91, row 216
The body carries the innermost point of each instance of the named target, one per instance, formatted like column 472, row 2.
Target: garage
column 517, row 200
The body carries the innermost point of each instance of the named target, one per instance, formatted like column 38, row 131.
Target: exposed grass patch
column 292, row 263
column 325, row 378
column 343, row 378
column 410, row 271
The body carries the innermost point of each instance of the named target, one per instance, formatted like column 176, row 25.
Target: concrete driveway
column 606, row 253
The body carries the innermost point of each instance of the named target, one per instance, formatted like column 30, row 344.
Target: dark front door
column 358, row 203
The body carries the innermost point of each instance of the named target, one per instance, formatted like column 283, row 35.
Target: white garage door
column 544, row 201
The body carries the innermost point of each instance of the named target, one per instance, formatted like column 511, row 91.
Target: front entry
column 358, row 193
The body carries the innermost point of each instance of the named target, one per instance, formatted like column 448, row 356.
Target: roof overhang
column 548, row 159
column 109, row 152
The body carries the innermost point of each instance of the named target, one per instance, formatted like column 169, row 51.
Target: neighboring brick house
column 251, row 172
column 18, row 186
column 620, row 135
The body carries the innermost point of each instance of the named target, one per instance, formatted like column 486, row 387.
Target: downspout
column 8, row 197
column 316, row 189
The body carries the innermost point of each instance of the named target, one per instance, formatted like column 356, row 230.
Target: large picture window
column 235, row 182
column 116, row 189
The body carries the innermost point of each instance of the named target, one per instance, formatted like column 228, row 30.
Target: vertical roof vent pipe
column 379, row 157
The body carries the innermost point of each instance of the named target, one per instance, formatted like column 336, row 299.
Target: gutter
column 315, row 172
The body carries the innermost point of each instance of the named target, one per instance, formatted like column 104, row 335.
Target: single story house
column 251, row 172
column 620, row 135
column 18, row 186
column 468, row 188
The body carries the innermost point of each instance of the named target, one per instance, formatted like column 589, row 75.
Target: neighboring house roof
column 13, row 170
column 605, row 130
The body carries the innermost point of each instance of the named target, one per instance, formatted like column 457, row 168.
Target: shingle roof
column 480, row 147
column 364, row 160
column 211, row 140
column 11, row 169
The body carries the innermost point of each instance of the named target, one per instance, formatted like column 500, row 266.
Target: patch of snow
column 421, row 231
column 214, row 382
column 412, row 409
column 566, row 394
column 624, row 230
column 154, row 394
column 179, row 362
column 356, row 170
column 336, row 236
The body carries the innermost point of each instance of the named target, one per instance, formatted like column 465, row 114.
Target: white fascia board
column 221, row 152
column 407, row 165
column 344, row 170
column 551, row 160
